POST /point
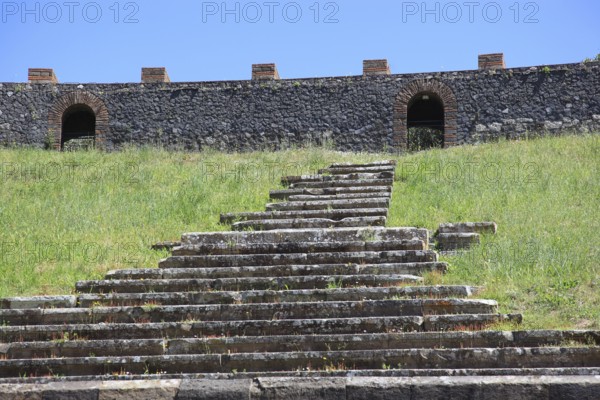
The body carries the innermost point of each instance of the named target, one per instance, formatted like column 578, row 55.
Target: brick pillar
column 376, row 67
column 491, row 61
column 155, row 75
column 264, row 71
column 42, row 75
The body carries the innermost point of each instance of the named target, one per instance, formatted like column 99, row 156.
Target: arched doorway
column 425, row 122
column 425, row 104
column 77, row 115
column 78, row 128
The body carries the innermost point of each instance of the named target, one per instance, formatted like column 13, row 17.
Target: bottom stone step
column 523, row 384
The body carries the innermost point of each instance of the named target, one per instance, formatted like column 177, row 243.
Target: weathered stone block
column 491, row 61
column 139, row 389
column 155, row 75
column 264, row 72
column 376, row 67
column 469, row 227
column 299, row 388
column 42, row 75
column 215, row 389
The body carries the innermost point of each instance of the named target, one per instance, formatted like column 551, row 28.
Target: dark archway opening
column 425, row 122
column 78, row 128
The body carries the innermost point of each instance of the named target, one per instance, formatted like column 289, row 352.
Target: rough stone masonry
column 356, row 113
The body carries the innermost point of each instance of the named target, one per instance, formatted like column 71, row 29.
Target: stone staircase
column 311, row 299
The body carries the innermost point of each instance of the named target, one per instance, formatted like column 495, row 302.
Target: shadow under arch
column 408, row 97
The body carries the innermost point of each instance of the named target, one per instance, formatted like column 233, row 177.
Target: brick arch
column 63, row 103
column 411, row 90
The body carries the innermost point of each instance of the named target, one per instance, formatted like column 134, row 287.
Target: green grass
column 545, row 196
column 72, row 216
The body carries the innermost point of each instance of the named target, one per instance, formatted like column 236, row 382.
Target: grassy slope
column 545, row 197
column 60, row 223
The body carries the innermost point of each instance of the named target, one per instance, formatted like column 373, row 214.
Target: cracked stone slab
column 191, row 328
column 457, row 241
column 343, row 183
column 280, row 270
column 274, row 296
column 308, row 223
column 322, row 343
column 259, row 311
column 469, row 227
column 365, row 165
column 383, row 202
column 328, row 191
column 290, row 361
column 297, row 247
column 15, row 303
column 287, row 180
column 351, row 387
column 358, row 170
column 206, row 286
column 298, row 214
column 307, row 235
column 239, row 260
column 213, row 389
column 344, row 196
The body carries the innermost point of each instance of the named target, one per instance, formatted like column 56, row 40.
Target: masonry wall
column 355, row 113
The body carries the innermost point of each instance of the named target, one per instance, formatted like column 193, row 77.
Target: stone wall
column 355, row 112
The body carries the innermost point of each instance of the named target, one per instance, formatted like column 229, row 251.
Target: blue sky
column 110, row 41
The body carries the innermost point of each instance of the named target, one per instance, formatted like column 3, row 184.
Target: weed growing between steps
column 72, row 216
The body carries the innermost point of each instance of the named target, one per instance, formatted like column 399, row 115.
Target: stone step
column 14, row 303
column 168, row 246
column 306, row 235
column 335, row 215
column 456, row 241
column 309, row 223
column 287, row 180
column 237, row 297
column 196, row 329
column 343, row 183
column 345, row 196
column 365, row 165
column 469, row 227
column 328, row 191
column 278, row 271
column 297, row 247
column 465, row 384
column 264, row 344
column 272, row 296
column 330, row 204
column 358, row 170
column 366, row 257
column 242, row 312
column 237, row 284
column 436, row 323
column 482, row 358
